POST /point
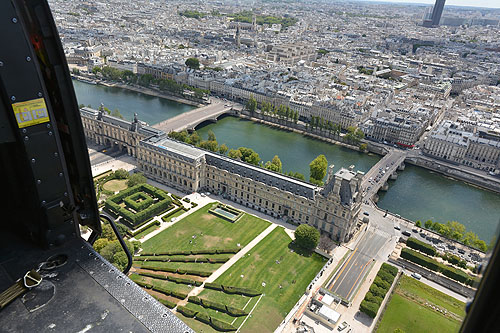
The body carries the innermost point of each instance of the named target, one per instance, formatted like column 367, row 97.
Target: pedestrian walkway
column 234, row 259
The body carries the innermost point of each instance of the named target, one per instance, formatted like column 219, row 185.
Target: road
column 381, row 230
column 194, row 117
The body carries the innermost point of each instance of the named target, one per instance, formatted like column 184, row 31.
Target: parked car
column 406, row 233
column 366, row 213
column 397, row 227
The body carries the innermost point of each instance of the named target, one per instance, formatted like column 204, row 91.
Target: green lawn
column 407, row 309
column 294, row 273
column 421, row 292
column 115, row 185
column 210, row 231
column 234, row 300
column 413, row 318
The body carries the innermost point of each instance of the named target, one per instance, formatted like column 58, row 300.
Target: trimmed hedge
column 167, row 303
column 379, row 288
column 451, row 272
column 215, row 286
column 203, row 317
column 163, row 203
column 217, row 324
column 220, row 325
column 172, row 212
column 141, row 229
column 189, row 252
column 421, row 246
column 240, row 291
column 131, row 201
column 369, row 308
column 154, row 267
column 217, row 306
column 187, row 312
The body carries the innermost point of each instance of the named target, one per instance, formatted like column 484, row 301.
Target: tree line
column 353, row 136
column 147, row 80
column 457, row 231
column 317, row 167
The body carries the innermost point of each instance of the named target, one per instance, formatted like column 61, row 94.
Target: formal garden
column 254, row 294
column 416, row 307
column 264, row 285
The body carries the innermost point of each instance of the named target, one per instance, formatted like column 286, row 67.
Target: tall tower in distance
column 435, row 17
column 437, row 12
column 237, row 37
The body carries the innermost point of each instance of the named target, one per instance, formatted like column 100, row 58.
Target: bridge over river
column 189, row 120
column 384, row 169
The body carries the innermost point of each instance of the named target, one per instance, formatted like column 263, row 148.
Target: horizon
column 490, row 4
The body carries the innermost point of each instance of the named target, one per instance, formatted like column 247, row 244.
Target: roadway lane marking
column 347, row 263
column 361, row 273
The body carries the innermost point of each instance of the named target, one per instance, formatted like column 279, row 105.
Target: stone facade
column 453, row 143
column 334, row 209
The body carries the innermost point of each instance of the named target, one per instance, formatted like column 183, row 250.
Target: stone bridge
column 189, row 120
column 385, row 168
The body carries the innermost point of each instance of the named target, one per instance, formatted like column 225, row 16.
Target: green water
column 419, row 194
column 294, row 150
column 149, row 108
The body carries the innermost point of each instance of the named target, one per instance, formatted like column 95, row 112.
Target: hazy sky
column 475, row 3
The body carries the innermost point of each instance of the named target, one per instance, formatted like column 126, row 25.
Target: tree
column 325, row 243
column 121, row 174
column 117, row 114
column 223, row 149
column 209, row 145
column 363, row 146
column 235, row 154
column 274, row 165
column 251, row 104
column 297, row 175
column 418, row 223
column 307, row 237
column 428, row 224
column 211, row 136
column 193, row 63
column 194, row 138
column 249, row 155
column 318, row 170
column 136, row 178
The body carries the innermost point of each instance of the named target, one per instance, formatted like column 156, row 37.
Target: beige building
column 334, row 209
column 451, row 142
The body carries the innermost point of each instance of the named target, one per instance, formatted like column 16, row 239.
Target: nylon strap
column 31, row 279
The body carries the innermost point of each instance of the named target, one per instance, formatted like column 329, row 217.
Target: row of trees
column 281, row 111
column 147, row 80
column 317, row 167
column 457, row 231
column 353, row 136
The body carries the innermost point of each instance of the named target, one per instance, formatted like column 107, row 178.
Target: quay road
column 189, row 120
column 375, row 244
column 389, row 164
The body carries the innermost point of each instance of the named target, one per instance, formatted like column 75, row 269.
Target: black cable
column 120, row 239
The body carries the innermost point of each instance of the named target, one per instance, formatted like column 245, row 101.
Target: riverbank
column 139, row 89
column 299, row 131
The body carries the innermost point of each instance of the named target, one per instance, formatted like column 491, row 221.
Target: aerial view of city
column 293, row 165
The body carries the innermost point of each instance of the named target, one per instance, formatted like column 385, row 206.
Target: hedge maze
column 137, row 204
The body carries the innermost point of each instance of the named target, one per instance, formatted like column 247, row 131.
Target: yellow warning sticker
column 31, row 112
